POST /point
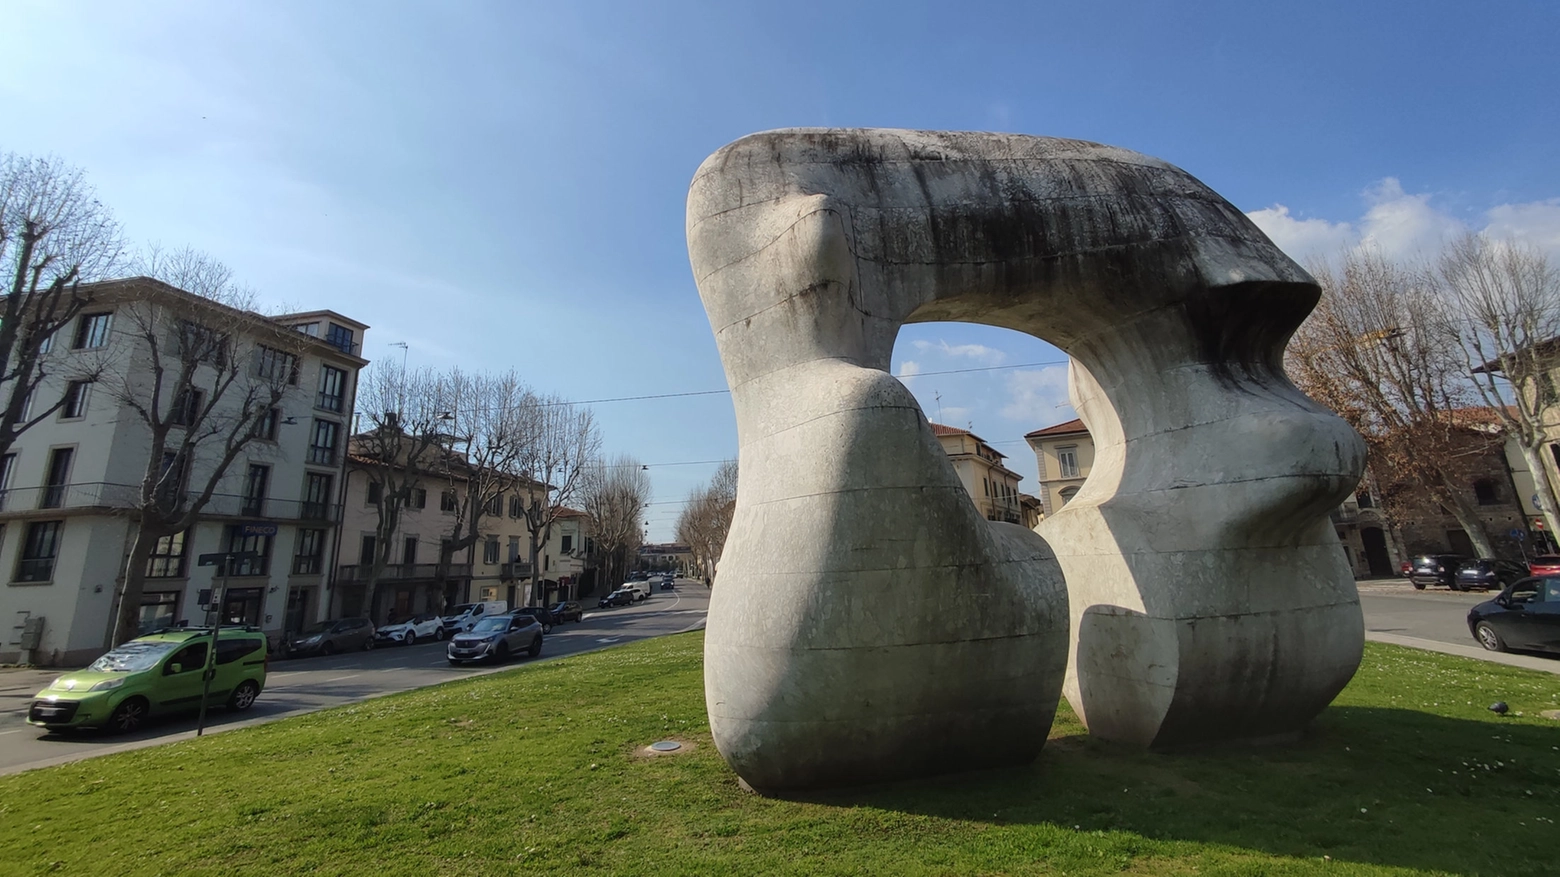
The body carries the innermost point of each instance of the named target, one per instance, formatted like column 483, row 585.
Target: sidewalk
column 1530, row 662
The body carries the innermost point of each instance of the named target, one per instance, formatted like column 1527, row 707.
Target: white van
column 461, row 618
column 641, row 589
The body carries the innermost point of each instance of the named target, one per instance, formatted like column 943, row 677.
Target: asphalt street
column 308, row 684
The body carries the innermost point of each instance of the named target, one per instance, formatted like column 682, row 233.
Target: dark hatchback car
column 568, row 610
column 1525, row 616
column 1436, row 569
column 330, row 637
column 1488, row 574
column 543, row 616
column 616, row 598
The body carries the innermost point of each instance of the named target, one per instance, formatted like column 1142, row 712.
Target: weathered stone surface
column 867, row 624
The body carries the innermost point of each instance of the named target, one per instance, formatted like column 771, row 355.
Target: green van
column 153, row 675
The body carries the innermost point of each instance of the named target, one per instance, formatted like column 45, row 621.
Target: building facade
column 992, row 486
column 71, row 484
column 1064, row 454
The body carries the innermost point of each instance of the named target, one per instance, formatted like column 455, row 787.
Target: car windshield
column 458, row 610
column 133, row 657
column 491, row 624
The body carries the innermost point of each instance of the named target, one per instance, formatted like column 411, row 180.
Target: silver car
column 496, row 638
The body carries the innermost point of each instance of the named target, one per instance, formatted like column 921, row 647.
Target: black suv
column 543, row 616
column 1487, row 574
column 1435, row 569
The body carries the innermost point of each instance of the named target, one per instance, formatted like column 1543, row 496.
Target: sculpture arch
column 866, row 623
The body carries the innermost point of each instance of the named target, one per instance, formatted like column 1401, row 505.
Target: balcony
column 357, row 573
column 103, row 495
column 513, row 571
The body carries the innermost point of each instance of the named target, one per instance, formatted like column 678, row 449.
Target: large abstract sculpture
column 866, row 623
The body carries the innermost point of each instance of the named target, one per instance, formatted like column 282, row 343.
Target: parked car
column 1545, row 565
column 466, row 615
column 620, row 597
column 408, row 632
column 543, row 616
column 330, row 637
column 153, row 675
column 640, row 589
column 1524, row 616
column 1406, row 569
column 567, row 610
column 1488, row 574
column 1435, row 569
column 496, row 638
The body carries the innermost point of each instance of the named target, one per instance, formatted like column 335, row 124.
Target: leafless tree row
column 706, row 518
column 615, row 493
column 1435, row 362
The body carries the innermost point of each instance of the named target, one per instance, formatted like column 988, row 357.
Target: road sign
column 257, row 528
column 1517, row 534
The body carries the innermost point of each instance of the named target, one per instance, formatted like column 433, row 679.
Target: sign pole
column 211, row 658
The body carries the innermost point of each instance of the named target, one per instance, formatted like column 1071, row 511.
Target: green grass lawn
column 534, row 771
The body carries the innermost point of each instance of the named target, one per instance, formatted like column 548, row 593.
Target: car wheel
column 536, row 647
column 328, row 649
column 502, row 654
column 128, row 716
column 547, row 628
column 368, row 644
column 411, row 638
column 1488, row 637
column 244, row 695
column 439, row 634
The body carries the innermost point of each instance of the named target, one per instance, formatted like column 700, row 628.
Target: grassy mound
column 535, row 771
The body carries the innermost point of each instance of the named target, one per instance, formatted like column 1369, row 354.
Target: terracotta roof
column 1069, row 428
column 939, row 429
column 566, row 512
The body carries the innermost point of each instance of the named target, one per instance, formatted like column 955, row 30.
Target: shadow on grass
column 1372, row 785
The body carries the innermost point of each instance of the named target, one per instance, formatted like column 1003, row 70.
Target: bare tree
column 1506, row 322
column 399, row 452
column 54, row 236
column 557, row 440
column 615, row 494
column 1375, row 351
column 202, row 391
column 706, row 518
column 485, row 433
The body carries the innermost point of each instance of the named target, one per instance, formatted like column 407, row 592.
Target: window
column 308, row 552
column 58, row 479
column 39, row 549
column 566, row 542
column 1547, row 394
column 310, row 329
column 171, row 475
column 495, row 506
column 1067, row 461
column 372, row 495
column 187, row 406
column 92, row 331
column 514, row 548
column 158, row 610
column 47, row 344
column 1485, row 492
column 7, row 467
column 333, row 385
column 188, row 660
column 230, row 650
column 75, row 399
column 278, row 366
column 516, row 506
column 409, row 550
column 265, row 426
column 254, row 490
column 490, row 551
column 985, row 486
column 340, row 337
column 419, row 498
column 1365, row 500
column 322, row 443
column 200, row 344
column 366, row 550
column 316, row 496
column 167, row 558
column 1067, row 493
column 260, row 546
column 447, row 501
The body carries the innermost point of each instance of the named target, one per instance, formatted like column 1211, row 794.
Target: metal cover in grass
column 666, row 746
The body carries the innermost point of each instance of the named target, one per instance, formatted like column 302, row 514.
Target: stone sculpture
column 866, row 623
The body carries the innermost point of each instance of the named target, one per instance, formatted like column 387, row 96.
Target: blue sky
column 502, row 184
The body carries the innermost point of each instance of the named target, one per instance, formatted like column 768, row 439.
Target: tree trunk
column 536, row 572
column 1542, row 486
column 1468, row 517
column 127, row 623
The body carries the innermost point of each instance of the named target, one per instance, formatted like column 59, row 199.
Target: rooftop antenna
column 937, row 394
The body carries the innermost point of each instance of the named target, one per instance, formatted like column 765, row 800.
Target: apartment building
column 71, row 484
column 992, row 486
column 1064, row 454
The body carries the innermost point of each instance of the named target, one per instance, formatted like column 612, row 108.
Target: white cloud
column 1303, row 239
column 1400, row 225
column 907, row 372
column 1038, row 397
column 979, row 352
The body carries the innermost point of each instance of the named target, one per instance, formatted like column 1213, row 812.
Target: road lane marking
column 339, row 678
